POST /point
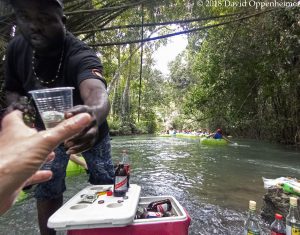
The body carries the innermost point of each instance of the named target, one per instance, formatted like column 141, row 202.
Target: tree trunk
column 126, row 94
column 115, row 100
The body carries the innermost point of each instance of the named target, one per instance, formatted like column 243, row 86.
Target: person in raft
column 46, row 55
column 219, row 135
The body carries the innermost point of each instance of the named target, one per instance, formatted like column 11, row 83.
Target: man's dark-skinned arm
column 96, row 103
column 93, row 93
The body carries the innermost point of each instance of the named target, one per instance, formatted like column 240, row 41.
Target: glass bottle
column 278, row 227
column 160, row 206
column 293, row 218
column 120, row 181
column 251, row 226
column 125, row 161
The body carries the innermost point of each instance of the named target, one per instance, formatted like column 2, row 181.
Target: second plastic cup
column 52, row 103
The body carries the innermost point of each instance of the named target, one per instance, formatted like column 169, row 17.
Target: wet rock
column 125, row 130
column 114, row 132
column 275, row 201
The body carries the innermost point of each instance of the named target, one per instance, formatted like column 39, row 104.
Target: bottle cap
column 109, row 193
column 252, row 205
column 293, row 201
column 278, row 216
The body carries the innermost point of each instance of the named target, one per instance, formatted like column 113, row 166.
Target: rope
column 180, row 32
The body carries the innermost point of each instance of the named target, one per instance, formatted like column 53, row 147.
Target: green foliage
column 248, row 76
column 242, row 76
column 147, row 127
column 114, row 125
column 150, row 124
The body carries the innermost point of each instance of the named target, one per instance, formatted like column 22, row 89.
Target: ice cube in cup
column 52, row 118
column 52, row 103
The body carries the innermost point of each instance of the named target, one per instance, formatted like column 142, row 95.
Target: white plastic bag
column 275, row 183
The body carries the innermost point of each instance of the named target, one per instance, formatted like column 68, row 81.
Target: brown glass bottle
column 160, row 206
column 126, row 162
column 120, row 182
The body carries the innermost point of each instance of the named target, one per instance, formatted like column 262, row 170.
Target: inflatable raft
column 74, row 169
column 191, row 136
column 22, row 196
column 165, row 135
column 212, row 141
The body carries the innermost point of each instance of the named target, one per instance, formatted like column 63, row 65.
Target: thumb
column 65, row 129
column 13, row 118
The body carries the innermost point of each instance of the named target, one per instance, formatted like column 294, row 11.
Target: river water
column 214, row 184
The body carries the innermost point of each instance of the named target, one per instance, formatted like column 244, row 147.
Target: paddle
column 234, row 144
column 240, row 145
column 228, row 140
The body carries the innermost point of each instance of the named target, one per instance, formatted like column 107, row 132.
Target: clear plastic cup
column 52, row 103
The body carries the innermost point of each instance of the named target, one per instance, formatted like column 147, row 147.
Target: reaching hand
column 85, row 139
column 23, row 150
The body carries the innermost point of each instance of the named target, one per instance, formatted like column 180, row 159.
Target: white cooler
column 109, row 215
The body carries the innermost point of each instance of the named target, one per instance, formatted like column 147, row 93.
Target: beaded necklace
column 57, row 72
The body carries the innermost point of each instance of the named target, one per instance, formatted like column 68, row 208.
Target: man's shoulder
column 17, row 49
column 76, row 47
column 80, row 54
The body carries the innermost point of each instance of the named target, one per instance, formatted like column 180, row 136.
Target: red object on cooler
column 109, row 193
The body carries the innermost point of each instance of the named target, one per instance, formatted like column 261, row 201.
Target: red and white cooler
column 109, row 215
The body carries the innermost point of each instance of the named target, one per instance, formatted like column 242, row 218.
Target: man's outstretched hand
column 85, row 139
